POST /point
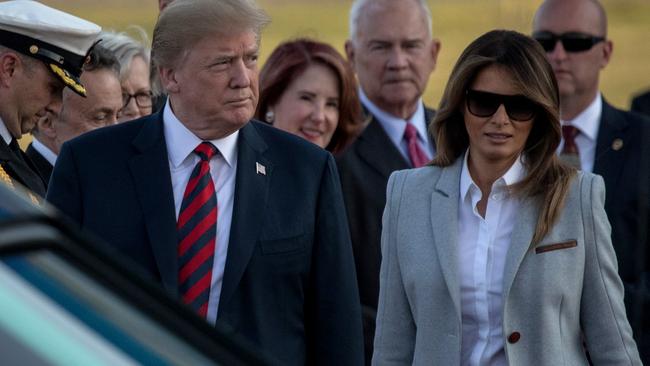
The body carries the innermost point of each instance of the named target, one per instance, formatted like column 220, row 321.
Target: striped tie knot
column 416, row 154
column 205, row 151
column 410, row 132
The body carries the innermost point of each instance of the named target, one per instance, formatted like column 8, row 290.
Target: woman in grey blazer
column 497, row 253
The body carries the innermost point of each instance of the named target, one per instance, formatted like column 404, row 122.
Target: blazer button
column 514, row 337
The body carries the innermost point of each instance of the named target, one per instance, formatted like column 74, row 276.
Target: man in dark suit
column 641, row 103
column 99, row 108
column 241, row 221
column 609, row 142
column 393, row 53
column 41, row 51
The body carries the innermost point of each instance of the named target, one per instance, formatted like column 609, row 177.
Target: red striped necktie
column 197, row 233
column 416, row 154
column 570, row 153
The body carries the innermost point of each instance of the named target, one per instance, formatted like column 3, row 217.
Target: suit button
column 514, row 337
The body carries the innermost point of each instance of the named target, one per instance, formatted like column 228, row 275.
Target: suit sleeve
column 335, row 309
column 395, row 334
column 606, row 329
column 64, row 191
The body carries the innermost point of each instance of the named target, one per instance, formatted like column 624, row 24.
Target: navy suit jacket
column 289, row 283
column 623, row 160
column 641, row 103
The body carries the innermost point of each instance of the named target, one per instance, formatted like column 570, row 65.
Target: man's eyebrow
column 379, row 41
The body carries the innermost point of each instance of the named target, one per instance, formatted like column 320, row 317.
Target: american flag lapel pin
column 260, row 169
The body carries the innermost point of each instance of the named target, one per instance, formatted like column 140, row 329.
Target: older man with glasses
column 602, row 139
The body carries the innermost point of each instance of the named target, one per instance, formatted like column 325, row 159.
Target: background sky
column 455, row 23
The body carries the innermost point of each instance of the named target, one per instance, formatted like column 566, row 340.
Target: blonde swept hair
column 184, row 23
column 525, row 59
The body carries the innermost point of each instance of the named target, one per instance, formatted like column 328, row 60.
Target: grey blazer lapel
column 444, row 219
column 522, row 235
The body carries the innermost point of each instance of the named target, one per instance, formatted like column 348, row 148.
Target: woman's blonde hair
column 526, row 61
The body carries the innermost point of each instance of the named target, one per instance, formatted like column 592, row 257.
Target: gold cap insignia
column 33, row 49
column 67, row 80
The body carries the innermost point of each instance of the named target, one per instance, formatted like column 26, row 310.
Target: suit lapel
column 377, row 149
column 248, row 214
column 522, row 235
column 612, row 133
column 152, row 179
column 444, row 219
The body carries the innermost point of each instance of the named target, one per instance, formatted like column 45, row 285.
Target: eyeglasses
column 485, row 104
column 571, row 41
column 143, row 99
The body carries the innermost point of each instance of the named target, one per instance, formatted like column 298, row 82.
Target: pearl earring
column 269, row 116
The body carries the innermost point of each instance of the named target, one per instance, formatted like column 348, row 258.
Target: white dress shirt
column 587, row 123
column 181, row 143
column 4, row 132
column 482, row 248
column 395, row 126
column 45, row 151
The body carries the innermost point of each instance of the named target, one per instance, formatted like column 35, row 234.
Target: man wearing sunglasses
column 603, row 140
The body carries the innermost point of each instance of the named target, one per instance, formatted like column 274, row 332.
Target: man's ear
column 45, row 125
column 168, row 79
column 9, row 64
column 349, row 51
column 435, row 51
column 608, row 49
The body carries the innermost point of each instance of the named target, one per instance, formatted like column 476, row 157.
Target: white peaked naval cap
column 61, row 40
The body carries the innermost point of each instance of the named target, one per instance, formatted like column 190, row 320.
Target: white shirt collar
column 45, row 151
column 588, row 120
column 515, row 174
column 395, row 126
column 181, row 141
column 4, row 132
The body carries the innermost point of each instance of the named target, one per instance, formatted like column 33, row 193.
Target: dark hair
column 526, row 61
column 289, row 60
column 101, row 58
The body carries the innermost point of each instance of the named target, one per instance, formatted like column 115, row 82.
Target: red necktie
column 416, row 154
column 197, row 233
column 570, row 153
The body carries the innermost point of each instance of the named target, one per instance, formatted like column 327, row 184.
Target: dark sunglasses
column 571, row 41
column 485, row 104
